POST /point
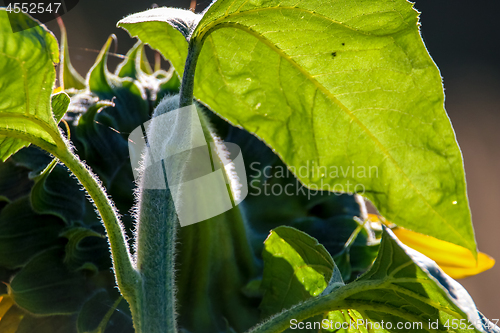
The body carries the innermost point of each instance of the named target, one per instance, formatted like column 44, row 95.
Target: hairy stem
column 126, row 276
column 156, row 234
column 157, row 229
column 187, row 85
column 155, row 240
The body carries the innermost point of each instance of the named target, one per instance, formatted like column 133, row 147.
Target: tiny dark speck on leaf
column 334, row 54
column 343, row 44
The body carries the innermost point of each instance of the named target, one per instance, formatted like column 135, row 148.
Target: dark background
column 464, row 40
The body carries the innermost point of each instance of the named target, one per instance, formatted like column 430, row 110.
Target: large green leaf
column 23, row 233
column 55, row 290
column 344, row 89
column 27, row 61
column 403, row 286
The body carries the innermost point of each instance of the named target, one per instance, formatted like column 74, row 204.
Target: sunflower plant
column 330, row 103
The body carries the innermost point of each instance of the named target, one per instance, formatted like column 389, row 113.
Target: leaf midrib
column 34, row 119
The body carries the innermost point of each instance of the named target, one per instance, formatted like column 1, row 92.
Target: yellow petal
column 454, row 260
column 5, row 304
column 10, row 314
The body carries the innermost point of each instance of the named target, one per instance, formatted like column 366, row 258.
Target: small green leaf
column 27, row 66
column 97, row 77
column 60, row 103
column 169, row 83
column 348, row 317
column 296, row 267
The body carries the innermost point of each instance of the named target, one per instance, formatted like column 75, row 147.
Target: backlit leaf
column 296, row 267
column 345, row 90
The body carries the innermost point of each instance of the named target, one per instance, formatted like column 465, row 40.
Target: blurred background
column 464, row 41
